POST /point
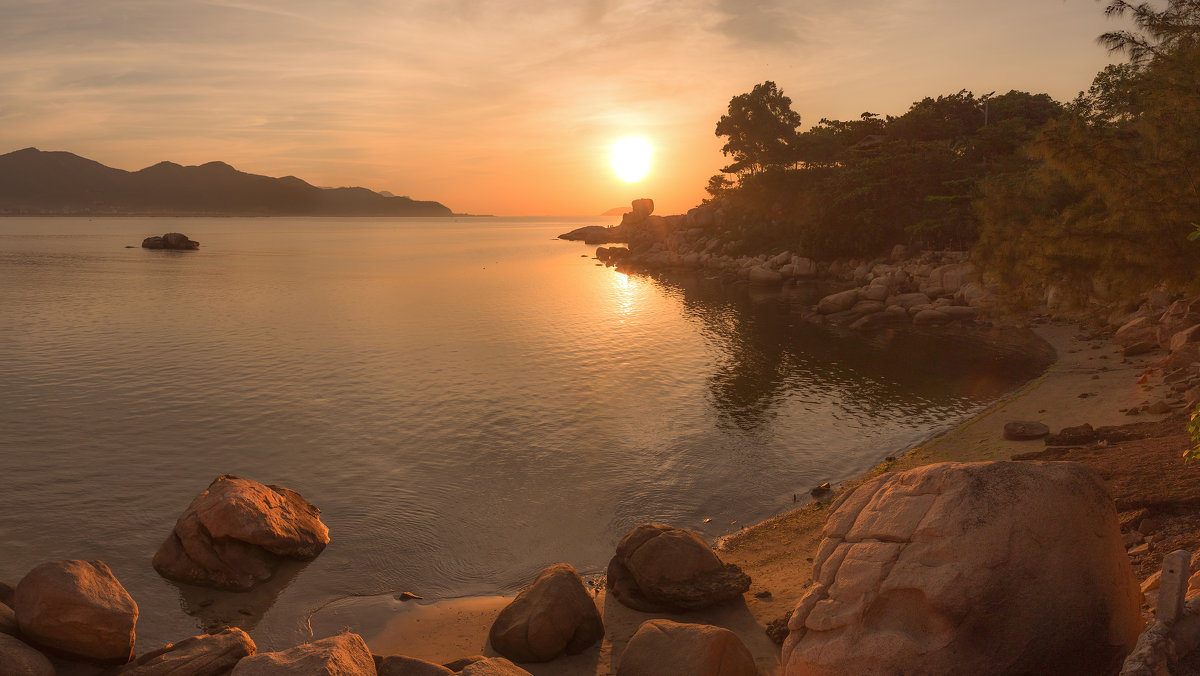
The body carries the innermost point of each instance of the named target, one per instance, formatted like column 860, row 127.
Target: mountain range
column 34, row 182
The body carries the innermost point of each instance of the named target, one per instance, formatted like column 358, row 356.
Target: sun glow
column 630, row 158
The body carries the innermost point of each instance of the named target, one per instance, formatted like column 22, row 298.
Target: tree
column 762, row 130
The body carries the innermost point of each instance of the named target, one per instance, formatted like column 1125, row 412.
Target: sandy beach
column 1091, row 382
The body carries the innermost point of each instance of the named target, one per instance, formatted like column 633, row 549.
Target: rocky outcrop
column 666, row 648
column 343, row 655
column 658, row 568
column 19, row 659
column 171, row 240
column 79, row 608
column 204, row 655
column 233, row 535
column 552, row 616
column 971, row 568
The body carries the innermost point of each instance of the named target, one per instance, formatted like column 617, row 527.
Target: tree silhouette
column 762, row 130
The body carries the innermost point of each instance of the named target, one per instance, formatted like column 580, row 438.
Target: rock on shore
column 958, row 568
column 553, row 616
column 660, row 568
column 79, row 608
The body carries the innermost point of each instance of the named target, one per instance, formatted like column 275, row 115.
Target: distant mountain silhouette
column 616, row 211
column 37, row 182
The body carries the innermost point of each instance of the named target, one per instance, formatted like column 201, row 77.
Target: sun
column 630, row 158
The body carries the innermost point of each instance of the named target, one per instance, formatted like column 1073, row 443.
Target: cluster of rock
column 231, row 536
column 955, row 568
column 171, row 240
column 656, row 568
column 1161, row 324
column 932, row 289
column 924, row 288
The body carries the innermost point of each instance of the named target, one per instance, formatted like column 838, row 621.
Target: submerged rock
column 1021, row 430
column 79, row 608
column 659, row 568
column 233, row 534
column 969, row 568
column 552, row 616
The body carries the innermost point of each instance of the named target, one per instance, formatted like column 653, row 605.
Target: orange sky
column 503, row 107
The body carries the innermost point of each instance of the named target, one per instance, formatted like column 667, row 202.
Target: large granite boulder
column 233, row 535
column 171, row 240
column 666, row 648
column 343, row 655
column 204, row 655
column 19, row 659
column 969, row 568
column 552, row 616
column 79, row 608
column 658, row 568
column 837, row 302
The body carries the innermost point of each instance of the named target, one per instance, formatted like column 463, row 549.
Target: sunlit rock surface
column 969, row 568
column 233, row 534
column 79, row 608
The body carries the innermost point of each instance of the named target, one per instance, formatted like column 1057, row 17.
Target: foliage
column 857, row 187
column 1193, row 427
column 761, row 127
column 1115, row 198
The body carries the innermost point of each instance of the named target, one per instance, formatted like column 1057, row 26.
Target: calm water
column 465, row 400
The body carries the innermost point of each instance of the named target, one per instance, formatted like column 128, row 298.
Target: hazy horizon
column 497, row 108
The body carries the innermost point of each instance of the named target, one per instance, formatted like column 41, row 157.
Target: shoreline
column 1089, row 381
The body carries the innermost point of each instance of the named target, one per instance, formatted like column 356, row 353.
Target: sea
column 467, row 400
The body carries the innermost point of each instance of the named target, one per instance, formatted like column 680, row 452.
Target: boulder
column 462, row 662
column 875, row 292
column 79, row 608
column 1185, row 337
column 552, row 616
column 866, row 307
column 204, row 655
column 234, row 533
column 1140, row 347
column 764, row 276
column 8, row 621
column 909, row 300
column 1019, row 430
column 1080, row 435
column 642, row 207
column 969, row 568
column 658, row 568
column 493, row 666
column 1137, row 330
column 399, row 665
column 7, row 593
column 171, row 240
column 343, row 655
column 804, row 268
column 666, row 648
column 930, row 317
column 19, row 659
column 837, row 302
